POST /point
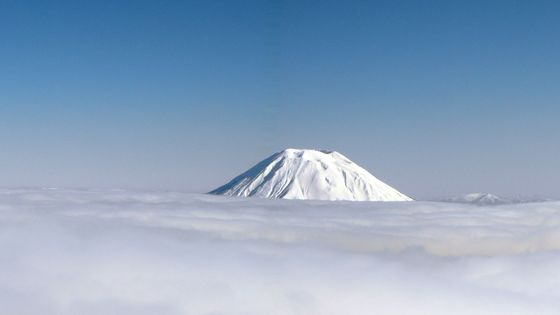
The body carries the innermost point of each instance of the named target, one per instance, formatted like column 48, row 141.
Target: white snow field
column 121, row 252
column 481, row 199
column 309, row 175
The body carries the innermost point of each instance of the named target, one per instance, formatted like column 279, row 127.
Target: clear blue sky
column 436, row 98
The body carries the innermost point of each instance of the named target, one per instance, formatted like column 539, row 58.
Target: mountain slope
column 480, row 199
column 309, row 174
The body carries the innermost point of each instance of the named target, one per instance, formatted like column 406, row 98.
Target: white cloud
column 120, row 252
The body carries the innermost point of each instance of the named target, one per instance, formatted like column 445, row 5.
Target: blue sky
column 436, row 98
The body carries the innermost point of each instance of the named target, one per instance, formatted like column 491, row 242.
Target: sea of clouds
column 124, row 252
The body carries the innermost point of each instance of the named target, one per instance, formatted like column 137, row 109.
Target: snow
column 490, row 199
column 481, row 199
column 310, row 174
column 131, row 252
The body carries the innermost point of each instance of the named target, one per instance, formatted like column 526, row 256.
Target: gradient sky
column 437, row 98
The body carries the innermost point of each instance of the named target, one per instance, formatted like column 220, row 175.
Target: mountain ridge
column 309, row 174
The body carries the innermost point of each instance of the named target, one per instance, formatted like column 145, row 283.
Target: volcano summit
column 309, row 174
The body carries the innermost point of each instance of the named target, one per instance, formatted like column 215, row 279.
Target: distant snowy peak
column 310, row 174
column 481, row 199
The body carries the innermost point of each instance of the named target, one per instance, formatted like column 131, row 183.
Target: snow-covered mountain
column 310, row 174
column 486, row 199
column 481, row 199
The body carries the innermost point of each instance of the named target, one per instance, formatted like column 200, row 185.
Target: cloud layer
column 123, row 252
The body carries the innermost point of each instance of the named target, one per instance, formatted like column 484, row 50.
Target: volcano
column 309, row 174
